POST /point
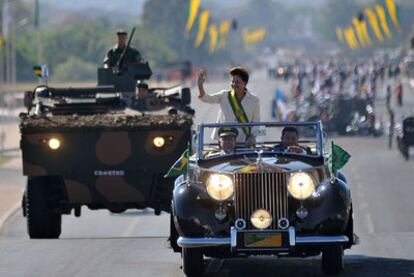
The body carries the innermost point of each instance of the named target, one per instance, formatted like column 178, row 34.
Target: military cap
column 227, row 131
column 121, row 32
column 142, row 84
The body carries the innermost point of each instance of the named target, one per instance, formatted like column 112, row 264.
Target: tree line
column 75, row 49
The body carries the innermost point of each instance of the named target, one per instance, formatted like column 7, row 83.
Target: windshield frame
column 317, row 124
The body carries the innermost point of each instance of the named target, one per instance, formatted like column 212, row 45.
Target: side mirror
column 185, row 96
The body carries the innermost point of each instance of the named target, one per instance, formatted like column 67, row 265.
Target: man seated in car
column 140, row 99
column 226, row 140
column 289, row 142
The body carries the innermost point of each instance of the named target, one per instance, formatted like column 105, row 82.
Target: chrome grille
column 261, row 191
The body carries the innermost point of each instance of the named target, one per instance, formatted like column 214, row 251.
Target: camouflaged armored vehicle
column 92, row 147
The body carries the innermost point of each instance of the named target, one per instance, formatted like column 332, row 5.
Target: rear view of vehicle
column 86, row 147
column 405, row 137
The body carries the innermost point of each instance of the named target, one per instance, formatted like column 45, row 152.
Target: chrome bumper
column 232, row 240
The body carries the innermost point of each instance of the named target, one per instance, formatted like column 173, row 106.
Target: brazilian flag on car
column 37, row 71
column 180, row 166
column 337, row 158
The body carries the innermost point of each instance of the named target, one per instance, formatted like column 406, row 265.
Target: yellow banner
column 351, row 38
column 213, row 38
column 193, row 7
column 1, row 41
column 392, row 10
column 339, row 34
column 224, row 30
column 364, row 30
column 383, row 20
column 372, row 19
column 250, row 37
column 359, row 31
column 348, row 39
column 202, row 27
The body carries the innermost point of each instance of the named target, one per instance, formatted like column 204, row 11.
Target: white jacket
column 250, row 103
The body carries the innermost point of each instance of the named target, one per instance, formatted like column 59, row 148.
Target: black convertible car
column 261, row 200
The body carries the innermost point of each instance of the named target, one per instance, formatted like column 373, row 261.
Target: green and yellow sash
column 238, row 111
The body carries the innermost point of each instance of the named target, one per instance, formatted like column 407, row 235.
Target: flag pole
column 38, row 33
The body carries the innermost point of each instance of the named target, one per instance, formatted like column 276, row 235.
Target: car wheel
column 332, row 259
column 42, row 223
column 55, row 225
column 193, row 263
column 173, row 233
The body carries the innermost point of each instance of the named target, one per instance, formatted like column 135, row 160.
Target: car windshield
column 226, row 139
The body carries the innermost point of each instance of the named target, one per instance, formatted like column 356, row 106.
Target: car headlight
column 220, row 187
column 54, row 143
column 158, row 142
column 301, row 185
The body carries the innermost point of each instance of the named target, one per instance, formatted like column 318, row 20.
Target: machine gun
column 119, row 67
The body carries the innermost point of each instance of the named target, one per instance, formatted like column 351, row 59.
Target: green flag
column 180, row 166
column 338, row 157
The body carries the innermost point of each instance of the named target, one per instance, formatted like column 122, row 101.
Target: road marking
column 129, row 231
column 364, row 205
column 370, row 224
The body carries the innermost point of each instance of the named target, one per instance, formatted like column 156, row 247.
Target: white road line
column 364, row 206
column 129, row 231
column 369, row 222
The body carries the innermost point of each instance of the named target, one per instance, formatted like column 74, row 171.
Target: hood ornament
column 259, row 161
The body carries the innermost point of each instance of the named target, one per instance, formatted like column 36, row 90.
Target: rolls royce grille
column 261, row 191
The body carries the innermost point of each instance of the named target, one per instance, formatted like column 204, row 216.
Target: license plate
column 260, row 240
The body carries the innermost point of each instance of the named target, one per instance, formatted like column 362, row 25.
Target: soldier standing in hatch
column 131, row 55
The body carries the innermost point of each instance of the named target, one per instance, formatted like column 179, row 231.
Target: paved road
column 134, row 243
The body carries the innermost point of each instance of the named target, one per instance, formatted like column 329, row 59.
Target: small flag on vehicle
column 37, row 70
column 338, row 157
column 180, row 166
column 41, row 71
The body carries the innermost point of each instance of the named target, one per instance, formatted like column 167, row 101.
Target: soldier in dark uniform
column 131, row 55
column 140, row 100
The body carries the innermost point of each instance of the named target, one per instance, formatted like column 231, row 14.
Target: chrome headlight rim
column 301, row 185
column 220, row 186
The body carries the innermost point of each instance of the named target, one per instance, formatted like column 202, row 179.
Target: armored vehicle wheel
column 332, row 259
column 193, row 263
column 42, row 223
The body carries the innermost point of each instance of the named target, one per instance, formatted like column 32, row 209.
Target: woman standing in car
column 236, row 105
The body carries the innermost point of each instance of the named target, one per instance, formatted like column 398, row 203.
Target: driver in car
column 289, row 141
column 226, row 140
